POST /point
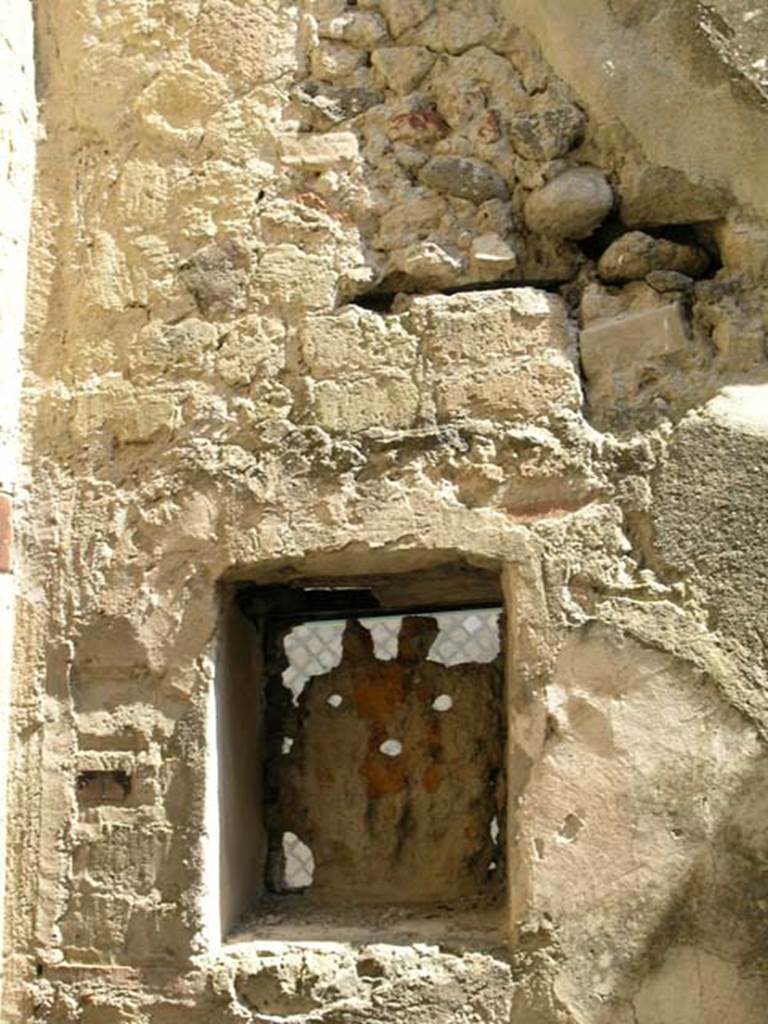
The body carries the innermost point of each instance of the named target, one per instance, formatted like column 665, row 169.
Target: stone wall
column 347, row 291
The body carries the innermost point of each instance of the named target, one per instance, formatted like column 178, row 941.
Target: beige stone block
column 508, row 353
column 386, row 400
column 107, row 281
column 318, row 152
column 155, row 933
column 133, row 418
column 250, row 42
column 401, row 68
column 744, row 247
column 137, row 420
column 267, row 399
column 616, row 808
column 331, row 61
column 600, row 303
column 509, row 390
column 165, row 349
column 626, row 344
column 484, row 325
column 663, row 195
column 355, row 340
column 253, row 348
column 292, row 278
column 466, row 25
column 94, row 922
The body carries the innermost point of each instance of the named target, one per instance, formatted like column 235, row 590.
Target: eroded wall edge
column 17, row 148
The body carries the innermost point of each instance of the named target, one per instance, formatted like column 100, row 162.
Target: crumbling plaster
column 17, row 145
column 223, row 385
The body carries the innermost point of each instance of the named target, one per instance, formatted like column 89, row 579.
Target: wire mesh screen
column 298, row 863
column 466, row 636
column 314, row 648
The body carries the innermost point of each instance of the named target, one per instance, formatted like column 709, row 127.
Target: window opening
column 369, row 739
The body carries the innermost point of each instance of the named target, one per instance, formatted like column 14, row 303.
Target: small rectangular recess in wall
column 103, row 787
column 365, row 736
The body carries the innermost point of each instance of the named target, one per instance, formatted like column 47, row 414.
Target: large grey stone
column 463, row 177
column 634, row 255
column 217, row 277
column 546, row 134
column 572, row 205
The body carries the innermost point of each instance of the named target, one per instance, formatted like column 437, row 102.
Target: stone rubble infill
column 572, row 205
column 635, row 255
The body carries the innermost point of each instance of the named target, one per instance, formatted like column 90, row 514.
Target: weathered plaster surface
column 17, row 141
column 326, row 290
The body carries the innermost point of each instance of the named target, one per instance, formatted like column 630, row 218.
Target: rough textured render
column 397, row 294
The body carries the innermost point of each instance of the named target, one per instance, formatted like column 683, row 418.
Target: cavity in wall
column 361, row 760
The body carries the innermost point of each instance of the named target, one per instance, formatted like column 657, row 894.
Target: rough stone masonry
column 444, row 303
